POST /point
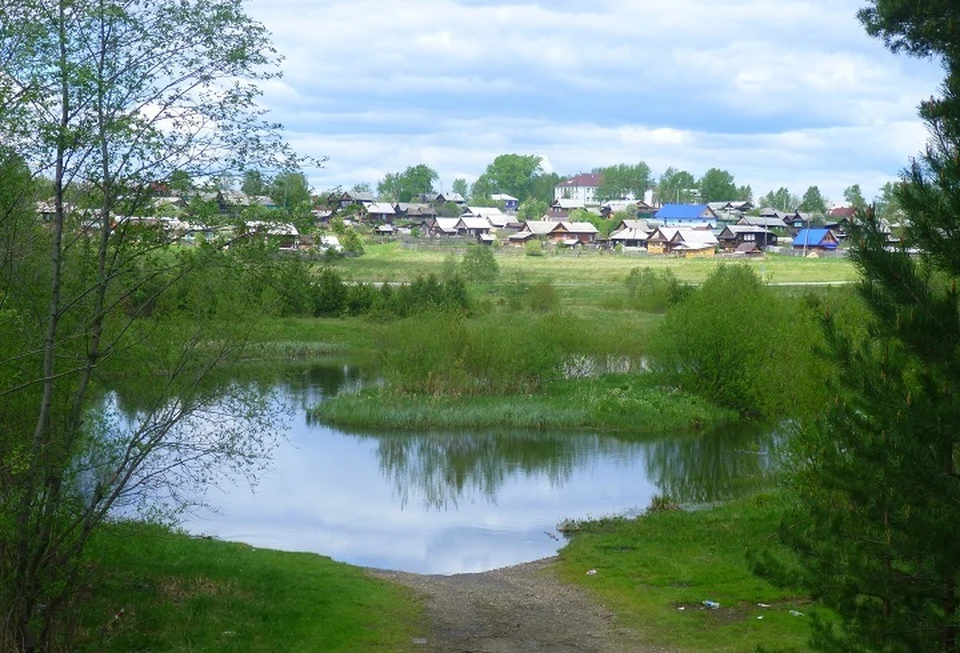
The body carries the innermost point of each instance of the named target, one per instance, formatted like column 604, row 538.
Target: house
column 734, row 235
column 439, row 199
column 510, row 203
column 232, row 201
column 497, row 218
column 631, row 233
column 635, row 208
column 767, row 222
column 686, row 215
column 563, row 232
column 380, row 212
column 582, row 187
column 815, row 239
column 748, row 249
column 414, row 211
column 442, row 227
column 693, row 243
column 384, row 229
column 532, row 229
column 283, row 234
column 682, row 240
column 561, row 208
column 476, row 227
column 840, row 213
column 577, row 233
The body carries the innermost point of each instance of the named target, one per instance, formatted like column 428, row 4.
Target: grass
column 179, row 593
column 586, row 269
column 613, row 402
column 656, row 571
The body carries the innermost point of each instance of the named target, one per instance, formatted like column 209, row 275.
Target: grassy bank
column 656, row 571
column 179, row 593
column 614, row 402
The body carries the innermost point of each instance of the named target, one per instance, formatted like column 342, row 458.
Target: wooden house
column 734, row 235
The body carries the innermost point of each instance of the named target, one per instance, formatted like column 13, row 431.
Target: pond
column 445, row 503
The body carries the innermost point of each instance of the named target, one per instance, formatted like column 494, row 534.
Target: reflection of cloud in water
column 458, row 502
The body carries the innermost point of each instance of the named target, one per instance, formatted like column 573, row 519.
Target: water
column 444, row 503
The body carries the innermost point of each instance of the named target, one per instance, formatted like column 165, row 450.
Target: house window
column 750, row 237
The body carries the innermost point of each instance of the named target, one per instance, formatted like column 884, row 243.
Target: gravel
column 514, row 609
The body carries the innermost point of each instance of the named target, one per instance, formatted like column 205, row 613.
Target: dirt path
column 521, row 608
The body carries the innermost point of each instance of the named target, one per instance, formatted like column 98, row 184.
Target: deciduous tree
column 813, row 202
column 624, row 180
column 676, row 186
column 718, row 186
column 406, row 185
column 106, row 97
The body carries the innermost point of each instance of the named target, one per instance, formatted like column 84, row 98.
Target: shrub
column 742, row 345
column 654, row 290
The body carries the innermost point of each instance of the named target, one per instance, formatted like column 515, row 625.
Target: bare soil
column 514, row 609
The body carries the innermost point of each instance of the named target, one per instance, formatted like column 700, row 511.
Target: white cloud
column 779, row 92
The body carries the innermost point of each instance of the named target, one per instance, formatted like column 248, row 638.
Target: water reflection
column 444, row 502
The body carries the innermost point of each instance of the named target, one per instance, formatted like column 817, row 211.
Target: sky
column 777, row 92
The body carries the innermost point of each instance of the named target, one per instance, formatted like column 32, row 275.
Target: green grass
column 615, row 402
column 648, row 568
column 585, row 270
column 179, row 593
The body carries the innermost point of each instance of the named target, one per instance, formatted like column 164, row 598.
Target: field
column 397, row 262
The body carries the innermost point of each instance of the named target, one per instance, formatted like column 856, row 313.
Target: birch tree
column 106, row 98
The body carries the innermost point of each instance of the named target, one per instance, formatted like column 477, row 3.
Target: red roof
column 843, row 212
column 585, row 179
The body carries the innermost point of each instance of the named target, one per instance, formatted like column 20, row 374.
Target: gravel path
column 521, row 608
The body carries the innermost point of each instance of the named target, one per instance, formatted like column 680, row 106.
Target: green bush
column 654, row 290
column 739, row 343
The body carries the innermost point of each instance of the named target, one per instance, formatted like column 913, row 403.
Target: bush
column 740, row 344
column 479, row 265
column 654, row 290
column 544, row 297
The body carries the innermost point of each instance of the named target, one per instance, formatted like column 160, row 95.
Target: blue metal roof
column 813, row 238
column 681, row 212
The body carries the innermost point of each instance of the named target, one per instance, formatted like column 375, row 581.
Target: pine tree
column 877, row 477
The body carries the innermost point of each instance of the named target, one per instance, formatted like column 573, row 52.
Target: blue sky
column 778, row 92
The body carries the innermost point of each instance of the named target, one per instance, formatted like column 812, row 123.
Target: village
column 574, row 220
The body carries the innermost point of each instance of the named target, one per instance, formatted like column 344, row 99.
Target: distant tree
column 781, row 199
column 404, row 186
column 450, row 210
column 532, row 209
column 460, row 187
column 513, row 174
column 543, row 186
column 180, row 182
column 623, row 181
column 813, row 202
column 254, row 183
column 854, row 195
column 717, row 186
column 886, row 203
column 290, row 191
column 676, row 186
column 745, row 193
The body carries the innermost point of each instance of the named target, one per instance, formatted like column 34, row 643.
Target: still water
column 445, row 503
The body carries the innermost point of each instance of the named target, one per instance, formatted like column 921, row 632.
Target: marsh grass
column 657, row 570
column 625, row 403
column 180, row 593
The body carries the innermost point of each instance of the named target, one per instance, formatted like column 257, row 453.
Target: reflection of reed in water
column 441, row 468
column 714, row 466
